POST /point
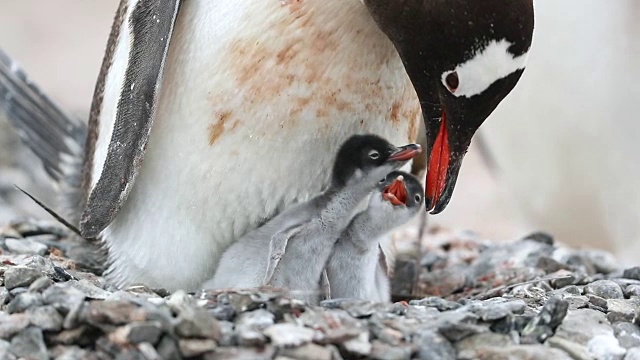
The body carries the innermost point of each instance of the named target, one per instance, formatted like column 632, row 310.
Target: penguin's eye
column 452, row 81
column 374, row 154
column 381, row 181
column 418, row 198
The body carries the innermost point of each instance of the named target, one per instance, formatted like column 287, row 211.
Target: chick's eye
column 374, row 154
column 418, row 198
column 453, row 81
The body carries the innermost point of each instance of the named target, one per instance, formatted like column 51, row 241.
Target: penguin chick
column 309, row 230
column 354, row 269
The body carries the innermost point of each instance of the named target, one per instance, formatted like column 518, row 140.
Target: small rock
column 632, row 290
column 633, row 354
column 89, row 290
column 604, row 347
column 227, row 337
column 19, row 276
column 63, row 297
column 4, row 350
column 24, row 301
column 436, row 302
column 81, row 335
column 12, row 324
column 359, row 345
column 168, row 348
column 249, row 337
column 41, row 284
column 546, row 321
column 382, row 351
column 114, row 312
column 606, row 289
column 238, row 353
column 195, row 322
column 26, row 246
column 310, row 352
column 432, row 346
column 575, row 350
column 564, row 281
column 518, row 352
column 498, row 308
column 289, row 335
column 29, row 344
column 622, row 309
column 628, row 334
column 598, row 301
column 46, row 318
column 196, row 347
column 149, row 332
column 541, row 237
column 632, row 273
column 441, row 282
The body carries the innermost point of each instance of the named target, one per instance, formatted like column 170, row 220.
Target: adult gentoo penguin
column 195, row 97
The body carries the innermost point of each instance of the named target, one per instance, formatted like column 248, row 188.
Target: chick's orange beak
column 396, row 192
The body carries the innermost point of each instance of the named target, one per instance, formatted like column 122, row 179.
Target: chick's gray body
column 353, row 268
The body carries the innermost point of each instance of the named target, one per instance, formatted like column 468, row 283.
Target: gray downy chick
column 354, row 269
column 309, row 230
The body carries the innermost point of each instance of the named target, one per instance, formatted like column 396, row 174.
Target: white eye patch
column 487, row 66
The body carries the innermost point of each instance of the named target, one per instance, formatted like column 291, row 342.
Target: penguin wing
column 136, row 51
column 55, row 136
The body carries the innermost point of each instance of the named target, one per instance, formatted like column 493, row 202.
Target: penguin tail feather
column 56, row 137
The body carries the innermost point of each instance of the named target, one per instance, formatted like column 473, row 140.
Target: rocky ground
column 464, row 298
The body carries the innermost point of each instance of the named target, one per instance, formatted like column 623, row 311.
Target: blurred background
column 564, row 146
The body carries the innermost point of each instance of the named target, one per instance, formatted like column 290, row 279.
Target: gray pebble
column 633, row 354
column 622, row 309
column 40, row 284
column 196, row 347
column 19, row 276
column 433, row 346
column 5, row 353
column 606, row 289
column 436, row 302
column 289, row 335
column 632, row 273
column 12, row 324
column 194, row 322
column 29, row 344
column 632, row 290
column 26, row 246
column 140, row 332
column 628, row 334
column 24, row 301
column 46, row 318
column 314, row 352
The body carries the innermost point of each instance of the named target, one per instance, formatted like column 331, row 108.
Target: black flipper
column 56, row 137
column 151, row 26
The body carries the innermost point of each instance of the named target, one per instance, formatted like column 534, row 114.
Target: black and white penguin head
column 463, row 58
column 398, row 198
column 367, row 158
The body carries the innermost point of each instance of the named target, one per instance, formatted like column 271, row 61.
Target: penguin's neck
column 342, row 201
column 364, row 230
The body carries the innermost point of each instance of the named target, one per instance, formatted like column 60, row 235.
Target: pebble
column 19, row 276
column 605, row 289
column 46, row 318
column 29, row 344
column 632, row 273
column 26, row 246
column 196, row 347
column 633, row 354
column 623, row 309
column 524, row 299
column 628, row 334
column 289, row 335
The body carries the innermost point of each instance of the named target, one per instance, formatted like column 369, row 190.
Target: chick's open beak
column 396, row 192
